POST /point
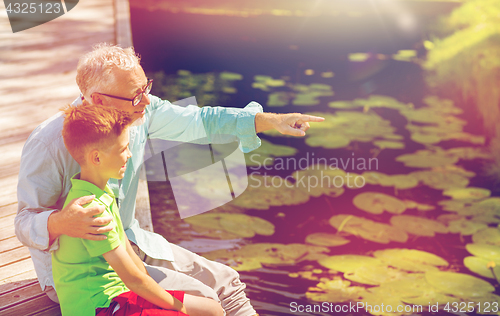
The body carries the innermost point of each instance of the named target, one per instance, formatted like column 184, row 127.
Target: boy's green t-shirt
column 83, row 279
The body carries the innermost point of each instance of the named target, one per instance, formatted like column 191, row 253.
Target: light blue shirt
column 47, row 167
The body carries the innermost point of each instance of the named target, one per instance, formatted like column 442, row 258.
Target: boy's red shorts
column 133, row 305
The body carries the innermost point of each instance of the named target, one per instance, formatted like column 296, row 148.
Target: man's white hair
column 94, row 71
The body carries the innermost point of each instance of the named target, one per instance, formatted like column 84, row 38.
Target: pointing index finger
column 312, row 118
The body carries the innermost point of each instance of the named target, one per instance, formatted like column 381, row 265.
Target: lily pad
column 441, row 180
column 418, row 226
column 343, row 105
column 266, row 191
column 266, row 153
column 327, row 240
column 335, row 291
column 377, row 297
column 426, row 138
column 389, row 144
column 488, row 235
column 425, row 159
column 252, row 256
column 348, row 263
column 459, row 284
column 480, row 266
column 407, row 287
column 377, row 203
column 400, row 181
column 368, row 229
column 225, row 75
column 410, row 259
column 469, row 193
column 375, row 274
column 240, row 225
column 486, row 251
column 465, row 227
column 320, row 179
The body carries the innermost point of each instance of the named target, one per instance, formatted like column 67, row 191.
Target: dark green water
column 262, row 46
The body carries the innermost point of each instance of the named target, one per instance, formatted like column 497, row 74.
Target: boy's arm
column 139, row 282
column 135, row 258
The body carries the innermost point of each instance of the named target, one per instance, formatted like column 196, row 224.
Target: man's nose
column 145, row 100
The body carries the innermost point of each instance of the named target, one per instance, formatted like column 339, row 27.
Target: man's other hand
column 76, row 221
column 294, row 124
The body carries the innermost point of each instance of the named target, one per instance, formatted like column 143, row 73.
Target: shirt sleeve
column 191, row 123
column 99, row 247
column 38, row 190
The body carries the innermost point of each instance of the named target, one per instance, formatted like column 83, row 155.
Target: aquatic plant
column 465, row 62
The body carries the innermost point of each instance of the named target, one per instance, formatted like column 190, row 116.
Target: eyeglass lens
column 138, row 97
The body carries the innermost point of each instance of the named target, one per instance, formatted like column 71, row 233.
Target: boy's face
column 113, row 159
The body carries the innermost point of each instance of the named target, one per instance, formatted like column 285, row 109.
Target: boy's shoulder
column 102, row 200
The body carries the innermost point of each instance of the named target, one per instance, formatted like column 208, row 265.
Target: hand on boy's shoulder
column 76, row 221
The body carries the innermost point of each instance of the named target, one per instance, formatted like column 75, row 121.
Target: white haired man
column 112, row 76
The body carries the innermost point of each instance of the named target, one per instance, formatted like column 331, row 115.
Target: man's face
column 113, row 159
column 127, row 85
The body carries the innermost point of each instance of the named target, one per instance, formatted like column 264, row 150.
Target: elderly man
column 112, row 77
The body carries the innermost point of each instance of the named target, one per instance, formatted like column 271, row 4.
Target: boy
column 94, row 277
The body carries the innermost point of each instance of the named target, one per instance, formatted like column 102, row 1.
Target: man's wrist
column 265, row 121
column 52, row 227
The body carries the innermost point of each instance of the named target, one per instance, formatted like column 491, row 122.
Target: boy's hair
column 87, row 124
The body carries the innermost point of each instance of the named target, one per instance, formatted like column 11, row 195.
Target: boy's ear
column 94, row 157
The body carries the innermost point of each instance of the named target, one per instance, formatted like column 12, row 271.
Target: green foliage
column 467, row 60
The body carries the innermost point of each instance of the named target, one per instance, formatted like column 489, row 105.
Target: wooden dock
column 37, row 77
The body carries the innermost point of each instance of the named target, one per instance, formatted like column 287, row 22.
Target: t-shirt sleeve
column 100, row 247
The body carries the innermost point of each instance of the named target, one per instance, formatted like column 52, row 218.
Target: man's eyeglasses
column 138, row 97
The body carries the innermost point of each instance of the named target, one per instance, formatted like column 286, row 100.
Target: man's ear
column 94, row 157
column 97, row 98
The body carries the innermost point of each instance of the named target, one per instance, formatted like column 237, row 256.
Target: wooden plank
column 25, row 275
column 9, row 244
column 7, row 232
column 33, row 306
column 8, row 199
column 6, row 288
column 19, row 295
column 14, row 255
column 12, row 272
column 8, row 220
column 53, row 310
column 8, row 209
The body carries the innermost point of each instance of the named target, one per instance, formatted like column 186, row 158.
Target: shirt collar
column 107, row 197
